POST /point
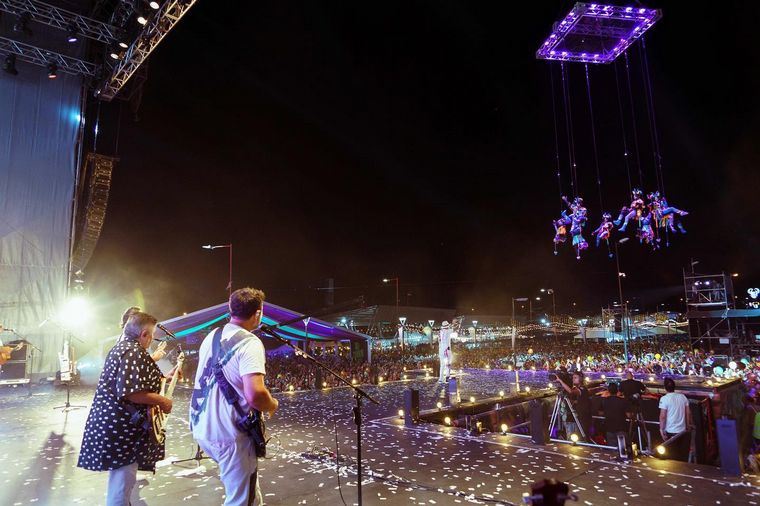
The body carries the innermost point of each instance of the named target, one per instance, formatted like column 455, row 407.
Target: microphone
column 167, row 331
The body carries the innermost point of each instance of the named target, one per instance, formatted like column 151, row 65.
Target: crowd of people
column 672, row 356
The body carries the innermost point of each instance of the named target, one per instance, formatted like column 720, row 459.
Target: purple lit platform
column 425, row 464
column 596, row 33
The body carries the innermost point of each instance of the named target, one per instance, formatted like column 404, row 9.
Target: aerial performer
column 444, row 353
column 602, row 233
column 645, row 232
column 633, row 212
column 576, row 230
column 560, row 229
column 665, row 214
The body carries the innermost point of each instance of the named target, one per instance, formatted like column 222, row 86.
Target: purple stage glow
column 595, row 33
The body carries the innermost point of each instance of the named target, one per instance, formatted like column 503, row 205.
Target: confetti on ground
column 425, row 464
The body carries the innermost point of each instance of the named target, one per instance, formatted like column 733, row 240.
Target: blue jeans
column 121, row 481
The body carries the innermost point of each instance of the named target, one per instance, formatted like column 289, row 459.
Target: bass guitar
column 158, row 417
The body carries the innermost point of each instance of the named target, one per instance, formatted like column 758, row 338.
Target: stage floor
column 426, row 464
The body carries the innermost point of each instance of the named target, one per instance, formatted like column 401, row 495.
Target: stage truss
column 119, row 47
column 595, row 33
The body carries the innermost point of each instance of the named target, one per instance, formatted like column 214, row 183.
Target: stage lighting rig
column 52, row 70
column 153, row 32
column 73, row 34
column 10, row 65
column 42, row 57
column 22, row 23
column 39, row 12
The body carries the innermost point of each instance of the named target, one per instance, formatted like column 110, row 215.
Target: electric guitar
column 158, row 417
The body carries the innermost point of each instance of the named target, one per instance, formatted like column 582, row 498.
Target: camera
column 561, row 375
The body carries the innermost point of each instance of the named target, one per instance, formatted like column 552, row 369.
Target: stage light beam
column 76, row 312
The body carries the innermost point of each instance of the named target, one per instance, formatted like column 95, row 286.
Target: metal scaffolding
column 710, row 303
column 62, row 19
column 111, row 75
column 154, row 31
column 43, row 57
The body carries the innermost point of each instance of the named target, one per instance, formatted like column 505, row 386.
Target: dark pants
column 679, row 449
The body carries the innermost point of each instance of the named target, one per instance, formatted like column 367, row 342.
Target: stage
column 424, row 464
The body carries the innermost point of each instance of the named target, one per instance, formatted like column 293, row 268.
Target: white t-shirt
column 676, row 406
column 216, row 423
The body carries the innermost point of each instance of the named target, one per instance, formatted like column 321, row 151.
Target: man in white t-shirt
column 212, row 418
column 675, row 418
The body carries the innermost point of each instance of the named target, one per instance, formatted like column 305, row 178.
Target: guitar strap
column 228, row 391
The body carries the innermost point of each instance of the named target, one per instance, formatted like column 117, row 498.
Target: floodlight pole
column 620, row 300
column 395, row 280
column 228, row 246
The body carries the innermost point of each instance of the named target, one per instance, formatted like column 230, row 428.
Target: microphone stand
column 359, row 394
column 198, row 452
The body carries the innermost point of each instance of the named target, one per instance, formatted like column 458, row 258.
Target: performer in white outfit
column 444, row 352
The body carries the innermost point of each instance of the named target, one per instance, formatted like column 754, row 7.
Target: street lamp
column 228, row 246
column 550, row 291
column 388, row 280
column 620, row 276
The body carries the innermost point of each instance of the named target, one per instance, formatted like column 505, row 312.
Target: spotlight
column 574, row 437
column 447, row 420
column 501, row 393
column 324, row 384
column 401, row 413
column 154, row 5
column 22, row 23
column 52, row 74
column 527, row 390
column 472, row 399
column 379, row 379
column 291, row 388
column 604, row 376
column 660, row 450
column 123, row 44
column 504, row 428
column 353, row 381
column 75, row 312
column 73, row 34
column 115, row 54
column 439, row 405
column 10, row 65
column 405, row 376
column 142, row 16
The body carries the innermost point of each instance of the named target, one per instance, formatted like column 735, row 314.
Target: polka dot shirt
column 110, row 439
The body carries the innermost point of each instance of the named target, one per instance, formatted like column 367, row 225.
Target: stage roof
column 194, row 326
column 376, row 315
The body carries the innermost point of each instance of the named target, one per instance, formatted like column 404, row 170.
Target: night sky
column 356, row 141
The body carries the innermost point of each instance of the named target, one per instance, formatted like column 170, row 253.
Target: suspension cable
column 633, row 120
column 652, row 117
column 622, row 127
column 569, row 127
column 556, row 137
column 593, row 141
